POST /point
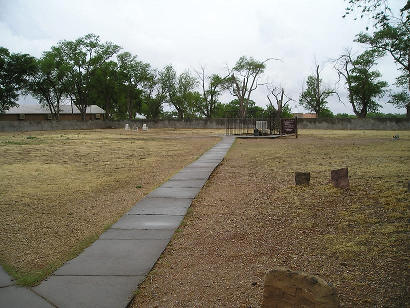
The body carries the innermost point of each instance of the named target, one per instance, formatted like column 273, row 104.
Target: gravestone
column 144, row 127
column 302, row 178
column 340, row 178
column 286, row 288
column 127, row 127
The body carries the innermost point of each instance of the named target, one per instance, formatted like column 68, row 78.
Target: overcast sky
column 210, row 33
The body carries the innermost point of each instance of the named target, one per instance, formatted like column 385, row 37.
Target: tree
column 194, row 104
column 186, row 99
column 154, row 98
column 314, row 98
column 326, row 113
column 135, row 76
column 392, row 36
column 84, row 56
column 178, row 90
column 105, row 88
column 15, row 69
column 243, row 80
column 394, row 40
column 362, row 82
column 281, row 100
column 232, row 109
column 401, row 100
column 211, row 88
column 49, row 83
column 168, row 80
column 286, row 112
column 378, row 10
column 257, row 112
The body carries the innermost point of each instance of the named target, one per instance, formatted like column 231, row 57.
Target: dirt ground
column 59, row 190
column 250, row 217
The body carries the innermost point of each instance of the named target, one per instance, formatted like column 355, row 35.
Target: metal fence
column 251, row 126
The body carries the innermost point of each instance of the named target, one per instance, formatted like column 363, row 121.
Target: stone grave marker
column 340, row 178
column 286, row 288
column 302, row 178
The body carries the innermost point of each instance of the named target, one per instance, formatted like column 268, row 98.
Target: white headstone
column 127, row 126
column 262, row 125
column 144, row 127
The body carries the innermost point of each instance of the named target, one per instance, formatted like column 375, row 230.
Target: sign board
column 289, row 126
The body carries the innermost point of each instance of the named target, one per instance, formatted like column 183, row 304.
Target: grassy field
column 59, row 190
column 250, row 217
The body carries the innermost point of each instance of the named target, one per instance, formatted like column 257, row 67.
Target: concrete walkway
column 107, row 273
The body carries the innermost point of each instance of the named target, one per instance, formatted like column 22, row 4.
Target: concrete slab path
column 108, row 272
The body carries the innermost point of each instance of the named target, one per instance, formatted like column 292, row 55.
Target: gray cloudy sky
column 211, row 33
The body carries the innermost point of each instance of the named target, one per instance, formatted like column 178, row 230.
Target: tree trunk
column 83, row 112
column 129, row 107
column 180, row 114
column 242, row 112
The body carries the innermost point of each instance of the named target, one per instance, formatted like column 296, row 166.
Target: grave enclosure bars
column 261, row 127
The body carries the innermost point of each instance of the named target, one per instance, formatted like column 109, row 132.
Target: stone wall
column 345, row 124
column 355, row 124
column 13, row 126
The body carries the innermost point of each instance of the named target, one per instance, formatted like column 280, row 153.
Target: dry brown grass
column 250, row 217
column 60, row 189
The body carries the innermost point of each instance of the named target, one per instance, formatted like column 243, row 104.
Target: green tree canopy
column 84, row 56
column 362, row 81
column 391, row 36
column 243, row 80
column 212, row 86
column 106, row 89
column 50, row 83
column 15, row 70
column 154, row 98
column 179, row 90
column 135, row 77
column 314, row 97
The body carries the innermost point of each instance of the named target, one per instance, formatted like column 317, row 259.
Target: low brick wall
column 344, row 124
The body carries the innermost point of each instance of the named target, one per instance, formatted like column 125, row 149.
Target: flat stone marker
column 340, row 178
column 302, row 178
column 286, row 288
